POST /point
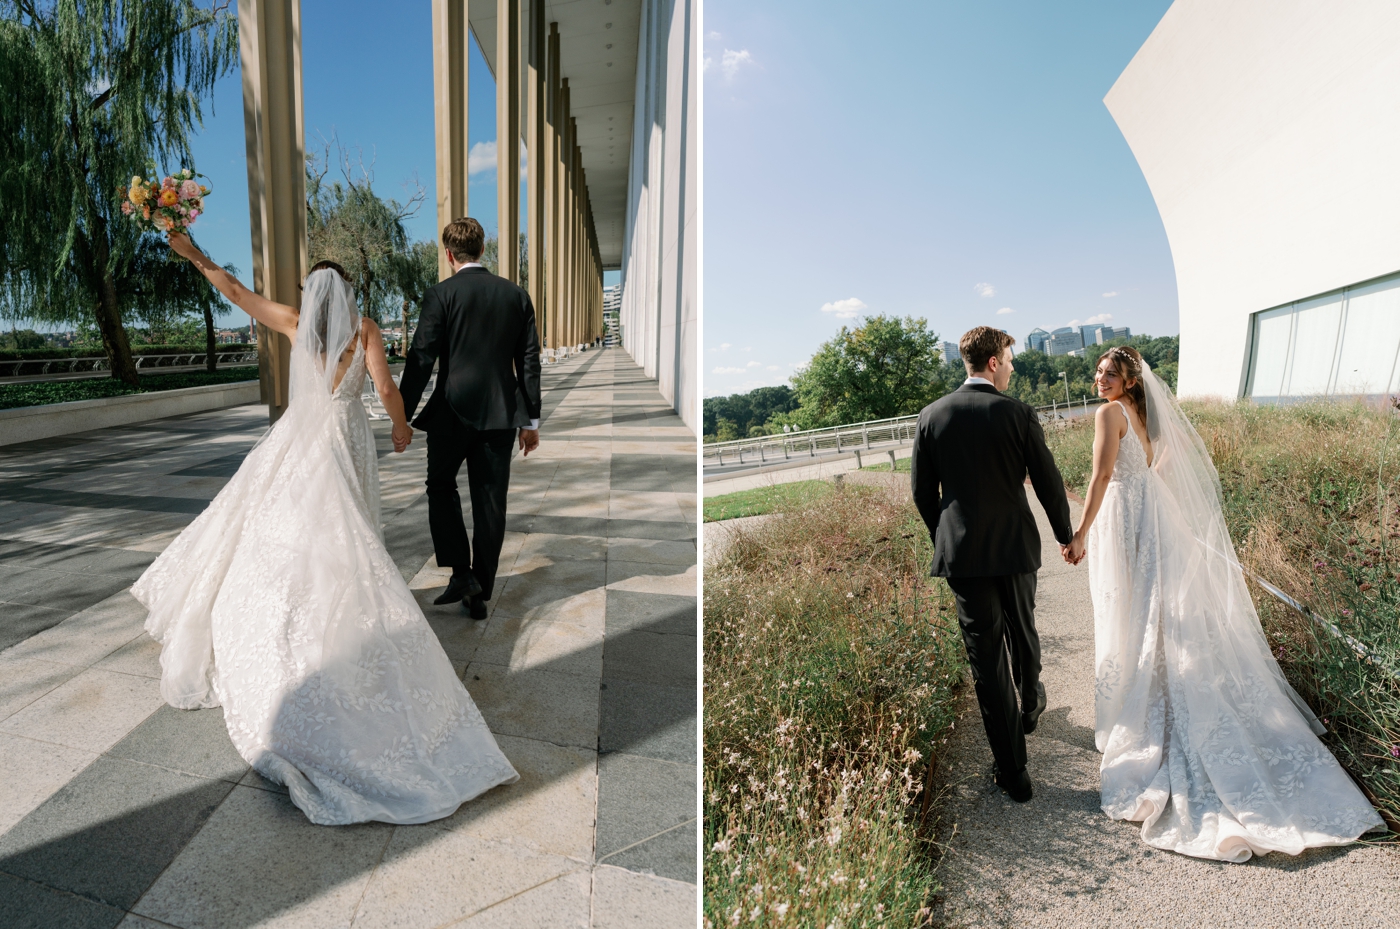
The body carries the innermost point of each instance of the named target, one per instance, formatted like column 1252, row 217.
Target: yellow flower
column 137, row 194
column 136, row 180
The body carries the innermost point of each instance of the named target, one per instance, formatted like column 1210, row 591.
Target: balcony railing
column 874, row 434
column 41, row 367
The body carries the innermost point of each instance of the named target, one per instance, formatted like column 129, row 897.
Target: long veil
column 328, row 323
column 1212, row 586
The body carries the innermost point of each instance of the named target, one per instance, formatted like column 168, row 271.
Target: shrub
column 42, row 393
column 831, row 661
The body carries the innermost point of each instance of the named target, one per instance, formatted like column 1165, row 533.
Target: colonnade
column 565, row 276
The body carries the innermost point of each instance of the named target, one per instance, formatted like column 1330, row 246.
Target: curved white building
column 1269, row 134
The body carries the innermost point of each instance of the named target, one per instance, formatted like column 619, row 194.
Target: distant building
column 1078, row 353
column 951, row 352
column 1090, row 333
column 1064, row 340
column 1037, row 340
column 1107, row 333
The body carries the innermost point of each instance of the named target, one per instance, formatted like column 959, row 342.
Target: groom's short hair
column 464, row 238
column 980, row 345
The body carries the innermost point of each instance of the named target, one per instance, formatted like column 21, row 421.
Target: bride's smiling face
column 1108, row 381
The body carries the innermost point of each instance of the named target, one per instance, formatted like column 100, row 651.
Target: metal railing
column 54, row 366
column 812, row 443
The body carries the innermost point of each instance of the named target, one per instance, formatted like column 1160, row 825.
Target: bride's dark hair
column 1128, row 363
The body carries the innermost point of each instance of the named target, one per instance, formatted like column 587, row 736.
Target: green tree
column 412, row 271
column 93, row 91
column 176, row 302
column 885, row 367
column 348, row 223
column 749, row 411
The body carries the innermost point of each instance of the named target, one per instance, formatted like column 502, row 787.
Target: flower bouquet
column 169, row 205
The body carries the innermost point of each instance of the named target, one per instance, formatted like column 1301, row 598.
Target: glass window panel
column 1370, row 340
column 1270, row 352
column 1314, row 345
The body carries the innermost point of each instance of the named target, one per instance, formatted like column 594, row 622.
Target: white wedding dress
column 280, row 604
column 1203, row 739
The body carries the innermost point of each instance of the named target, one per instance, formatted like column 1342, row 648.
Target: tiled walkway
column 118, row 810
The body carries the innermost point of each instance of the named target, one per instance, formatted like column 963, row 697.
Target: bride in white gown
column 280, row 603
column 1203, row 740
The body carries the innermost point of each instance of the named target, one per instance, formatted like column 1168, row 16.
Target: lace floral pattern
column 281, row 604
column 1203, row 740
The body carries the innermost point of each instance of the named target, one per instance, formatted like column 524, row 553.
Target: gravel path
column 1057, row 861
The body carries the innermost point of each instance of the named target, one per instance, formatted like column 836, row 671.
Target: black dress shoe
column 476, row 608
column 459, row 588
column 1017, row 785
column 1031, row 718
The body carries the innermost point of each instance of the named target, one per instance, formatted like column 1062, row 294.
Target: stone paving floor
column 118, row 810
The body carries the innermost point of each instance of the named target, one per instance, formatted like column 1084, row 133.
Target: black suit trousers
column 487, row 454
column 997, row 616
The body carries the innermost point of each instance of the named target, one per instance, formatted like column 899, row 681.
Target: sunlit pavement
column 118, row 810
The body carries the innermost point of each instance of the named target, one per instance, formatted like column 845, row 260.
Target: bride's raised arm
column 278, row 316
column 1109, row 428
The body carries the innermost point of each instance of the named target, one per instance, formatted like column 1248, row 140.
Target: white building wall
column 660, row 312
column 1269, row 134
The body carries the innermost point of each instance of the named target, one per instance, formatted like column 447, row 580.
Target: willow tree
column 94, row 92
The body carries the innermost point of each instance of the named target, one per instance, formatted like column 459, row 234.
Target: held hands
column 529, row 441
column 402, row 436
column 1073, row 553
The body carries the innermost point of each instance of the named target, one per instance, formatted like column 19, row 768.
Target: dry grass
column 831, row 661
column 1311, row 495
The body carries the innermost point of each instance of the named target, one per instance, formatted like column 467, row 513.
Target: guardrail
column 812, row 443
column 46, row 366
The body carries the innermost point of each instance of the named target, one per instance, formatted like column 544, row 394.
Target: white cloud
column 705, row 64
column 754, row 364
column 482, row 158
column 774, row 368
column 712, row 34
column 1005, row 310
column 727, row 371
column 984, row 289
column 725, row 346
column 731, row 61
column 748, row 348
column 1111, row 293
column 845, row 309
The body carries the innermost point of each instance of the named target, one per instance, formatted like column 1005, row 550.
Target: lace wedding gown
column 280, row 604
column 1203, row 739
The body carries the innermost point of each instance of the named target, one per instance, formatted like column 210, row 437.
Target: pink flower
column 1395, row 751
column 189, row 190
column 168, row 182
column 193, row 214
column 126, row 207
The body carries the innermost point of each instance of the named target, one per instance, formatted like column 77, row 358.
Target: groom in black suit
column 972, row 453
column 480, row 330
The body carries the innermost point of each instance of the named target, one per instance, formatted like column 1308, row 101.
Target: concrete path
column 118, row 810
column 1058, row 862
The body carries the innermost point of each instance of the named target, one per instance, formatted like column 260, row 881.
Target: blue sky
column 946, row 160
column 367, row 79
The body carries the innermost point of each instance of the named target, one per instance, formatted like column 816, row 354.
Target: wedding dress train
column 1203, row 739
column 280, row 604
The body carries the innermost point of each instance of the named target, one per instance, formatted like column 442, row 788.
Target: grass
column 831, row 662
column 763, row 500
column 42, row 393
column 1311, row 494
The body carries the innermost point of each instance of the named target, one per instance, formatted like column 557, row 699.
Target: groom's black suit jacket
column 480, row 328
column 972, row 453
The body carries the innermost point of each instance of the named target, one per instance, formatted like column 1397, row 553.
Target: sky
column 367, row 80
column 951, row 161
